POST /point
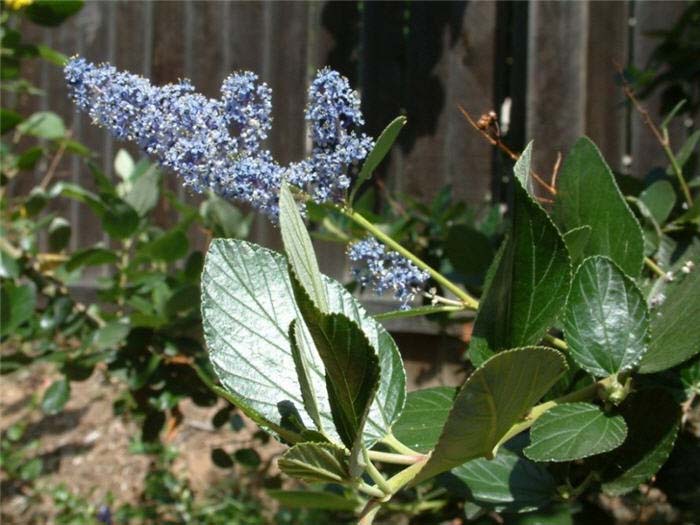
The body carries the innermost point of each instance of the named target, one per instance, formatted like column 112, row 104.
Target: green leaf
column 59, row 234
column 675, row 330
column 18, row 303
column 352, row 369
column 124, row 164
column 315, row 462
column 145, row 191
column 299, row 250
column 576, row 241
column 573, row 431
column 119, row 219
column 43, row 124
column 169, row 247
column 91, row 257
column 304, row 366
column 51, row 55
column 247, row 308
column 110, row 336
column 73, row 191
column 687, row 149
column 52, row 12
column 225, row 219
column 423, row 417
column 659, row 198
column 29, row 157
column 606, row 321
column 313, row 499
column 588, row 195
column 381, row 148
column 8, row 120
column 468, row 250
column 653, row 418
column 9, row 266
column 555, row 515
column 508, row 482
column 56, row 397
column 496, row 396
column 528, row 281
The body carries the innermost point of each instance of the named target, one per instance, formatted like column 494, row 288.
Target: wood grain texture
column 606, row 113
column 556, row 100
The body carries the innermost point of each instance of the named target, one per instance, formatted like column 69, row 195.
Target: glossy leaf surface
column 528, row 281
column 587, row 195
column 675, row 324
column 247, row 307
column 606, row 322
column 423, row 417
column 495, row 396
column 573, row 431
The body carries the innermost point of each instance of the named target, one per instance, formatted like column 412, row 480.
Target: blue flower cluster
column 384, row 270
column 216, row 144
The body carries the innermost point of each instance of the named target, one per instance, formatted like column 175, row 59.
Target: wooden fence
column 553, row 59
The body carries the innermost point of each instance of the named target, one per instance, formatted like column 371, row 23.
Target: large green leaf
column 423, row 417
column 300, row 251
column 573, row 431
column 607, row 321
column 675, row 325
column 653, row 418
column 351, row 364
column 496, row 396
column 528, row 281
column 587, row 194
column 247, row 307
column 576, row 241
column 322, row 462
column 508, row 482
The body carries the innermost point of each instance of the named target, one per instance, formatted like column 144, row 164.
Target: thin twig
column 496, row 141
column 660, row 134
column 54, row 164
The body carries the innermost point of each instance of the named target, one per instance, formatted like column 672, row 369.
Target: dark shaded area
column 389, row 50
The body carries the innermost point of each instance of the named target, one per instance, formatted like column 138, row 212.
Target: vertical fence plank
column 606, row 115
column 93, row 44
column 556, row 79
column 285, row 69
column 168, row 65
column 466, row 156
column 649, row 17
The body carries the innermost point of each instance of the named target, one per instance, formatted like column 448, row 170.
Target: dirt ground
column 86, row 447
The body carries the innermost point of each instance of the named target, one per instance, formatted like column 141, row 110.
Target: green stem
column 415, row 312
column 370, row 490
column 375, row 474
column 369, row 512
column 468, row 300
column 677, row 170
column 399, row 447
column 654, row 267
column 583, row 394
column 556, row 342
column 396, row 459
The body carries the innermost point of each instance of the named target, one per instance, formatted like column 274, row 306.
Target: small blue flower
column 104, row 515
column 217, row 144
column 385, row 270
